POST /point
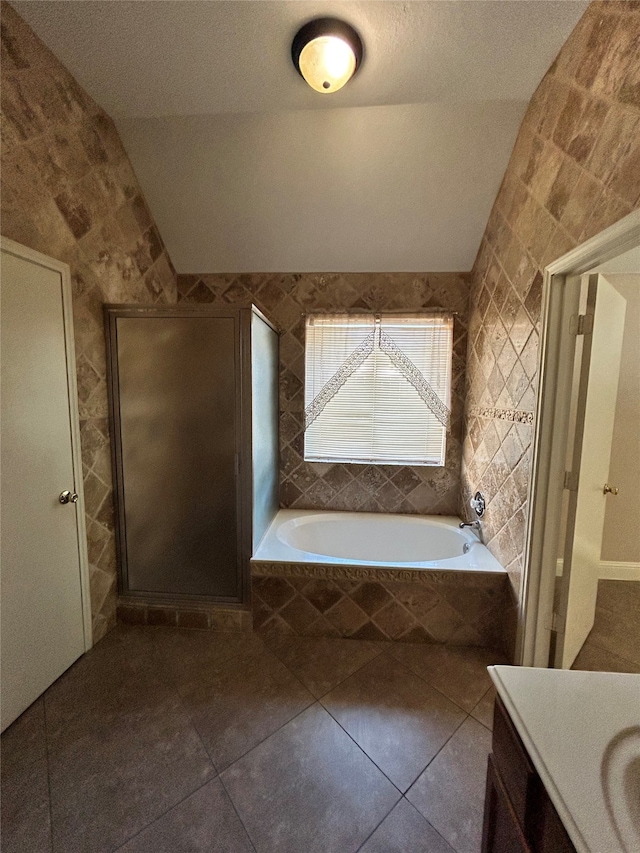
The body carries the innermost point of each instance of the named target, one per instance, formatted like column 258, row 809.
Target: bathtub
column 375, row 540
column 372, row 576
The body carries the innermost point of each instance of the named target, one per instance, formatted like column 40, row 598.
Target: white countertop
column 582, row 732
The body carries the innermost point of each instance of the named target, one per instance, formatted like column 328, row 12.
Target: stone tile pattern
column 68, row 190
column 574, row 170
column 172, row 740
column 439, row 607
column 216, row 618
column 285, row 299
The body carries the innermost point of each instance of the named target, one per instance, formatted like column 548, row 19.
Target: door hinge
column 556, row 623
column 570, row 481
column 581, row 324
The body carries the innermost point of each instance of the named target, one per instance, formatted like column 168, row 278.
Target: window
column 377, row 388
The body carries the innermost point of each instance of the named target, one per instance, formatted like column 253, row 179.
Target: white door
column 43, row 568
column 596, row 405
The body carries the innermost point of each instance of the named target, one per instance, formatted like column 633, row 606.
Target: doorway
column 598, row 577
column 577, row 534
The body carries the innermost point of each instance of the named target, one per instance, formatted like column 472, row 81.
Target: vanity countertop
column 582, row 732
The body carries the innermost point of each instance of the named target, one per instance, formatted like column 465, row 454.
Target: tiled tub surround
column 575, row 170
column 68, row 190
column 285, row 299
column 309, row 600
column 458, row 600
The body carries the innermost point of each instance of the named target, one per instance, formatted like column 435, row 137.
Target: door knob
column 609, row 490
column 68, row 497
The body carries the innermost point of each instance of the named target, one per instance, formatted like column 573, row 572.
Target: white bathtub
column 374, row 539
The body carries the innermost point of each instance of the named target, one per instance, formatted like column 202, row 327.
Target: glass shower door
column 176, row 408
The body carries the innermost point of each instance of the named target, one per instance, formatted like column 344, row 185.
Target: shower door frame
column 242, row 314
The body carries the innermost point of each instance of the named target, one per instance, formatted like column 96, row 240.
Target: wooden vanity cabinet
column 519, row 817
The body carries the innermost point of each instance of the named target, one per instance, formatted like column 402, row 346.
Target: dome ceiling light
column 327, row 53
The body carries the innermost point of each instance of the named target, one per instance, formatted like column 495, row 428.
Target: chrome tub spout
column 476, row 526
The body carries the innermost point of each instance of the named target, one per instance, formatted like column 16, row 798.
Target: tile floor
column 169, row 741
column 614, row 642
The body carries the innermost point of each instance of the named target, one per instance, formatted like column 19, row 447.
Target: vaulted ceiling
column 247, row 169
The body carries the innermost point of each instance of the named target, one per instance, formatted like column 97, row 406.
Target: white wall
column 367, row 189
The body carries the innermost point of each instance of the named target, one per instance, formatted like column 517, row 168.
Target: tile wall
column 574, row 170
column 457, row 608
column 68, row 190
column 285, row 299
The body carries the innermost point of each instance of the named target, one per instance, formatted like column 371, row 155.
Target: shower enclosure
column 194, row 421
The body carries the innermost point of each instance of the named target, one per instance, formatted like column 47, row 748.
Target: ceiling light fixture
column 327, row 53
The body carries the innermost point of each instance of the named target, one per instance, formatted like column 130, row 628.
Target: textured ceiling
column 282, row 186
column 177, row 57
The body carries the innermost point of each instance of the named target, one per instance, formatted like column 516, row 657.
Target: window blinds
column 377, row 389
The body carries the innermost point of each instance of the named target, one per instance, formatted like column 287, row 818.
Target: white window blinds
column 377, row 389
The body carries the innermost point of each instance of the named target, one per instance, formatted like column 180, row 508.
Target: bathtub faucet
column 474, row 525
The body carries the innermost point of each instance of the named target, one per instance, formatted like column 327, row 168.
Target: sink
column 620, row 774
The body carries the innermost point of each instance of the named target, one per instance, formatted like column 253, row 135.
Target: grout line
column 437, row 689
column 167, row 688
column 366, row 754
column 448, row 843
column 379, row 824
column 249, row 838
column 475, row 706
column 193, row 722
column 164, row 814
column 218, row 776
column 260, row 742
column 419, row 813
column 173, row 688
column 403, row 793
column 342, row 680
column 429, row 763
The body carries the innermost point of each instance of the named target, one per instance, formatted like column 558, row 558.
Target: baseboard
column 613, row 571
column 610, row 570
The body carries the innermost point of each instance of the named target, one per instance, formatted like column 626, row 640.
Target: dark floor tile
column 117, row 679
column 619, row 597
column 206, row 822
column 187, row 656
column 405, row 831
column 395, row 717
column 617, row 633
column 450, row 792
column 321, row 663
column 309, row 788
column 110, row 782
column 483, row 712
column 594, row 659
column 24, row 740
column 460, row 672
column 241, row 702
column 25, row 825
